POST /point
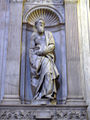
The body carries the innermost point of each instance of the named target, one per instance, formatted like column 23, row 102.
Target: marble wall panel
column 4, row 23
column 73, row 52
column 11, row 85
column 84, row 37
column 13, row 51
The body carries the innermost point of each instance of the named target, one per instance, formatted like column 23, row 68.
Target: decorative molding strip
column 56, row 28
column 16, row 1
column 38, row 1
column 70, row 1
column 32, row 114
column 41, row 1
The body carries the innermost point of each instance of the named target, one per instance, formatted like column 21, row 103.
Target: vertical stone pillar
column 73, row 54
column 4, row 23
column 84, row 36
column 11, row 90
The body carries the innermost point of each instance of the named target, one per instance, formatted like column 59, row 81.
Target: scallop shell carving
column 50, row 18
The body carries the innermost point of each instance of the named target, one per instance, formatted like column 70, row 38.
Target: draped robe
column 43, row 69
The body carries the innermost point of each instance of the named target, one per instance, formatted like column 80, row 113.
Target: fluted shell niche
column 50, row 18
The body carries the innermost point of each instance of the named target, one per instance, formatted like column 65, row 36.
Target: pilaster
column 84, row 36
column 4, row 24
column 73, row 53
column 11, row 89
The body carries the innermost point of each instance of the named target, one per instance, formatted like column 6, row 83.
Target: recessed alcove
column 53, row 23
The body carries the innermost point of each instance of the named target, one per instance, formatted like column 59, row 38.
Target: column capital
column 71, row 1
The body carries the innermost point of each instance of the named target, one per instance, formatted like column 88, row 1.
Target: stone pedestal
column 28, row 112
column 44, row 102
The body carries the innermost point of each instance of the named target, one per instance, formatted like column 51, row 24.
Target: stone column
column 11, row 90
column 74, row 79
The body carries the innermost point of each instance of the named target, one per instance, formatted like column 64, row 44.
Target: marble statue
column 42, row 63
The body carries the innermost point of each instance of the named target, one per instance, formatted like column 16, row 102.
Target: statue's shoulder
column 49, row 37
column 48, row 33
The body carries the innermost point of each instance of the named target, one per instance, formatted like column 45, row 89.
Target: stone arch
column 51, row 16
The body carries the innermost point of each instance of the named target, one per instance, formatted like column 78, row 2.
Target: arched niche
column 53, row 22
column 47, row 12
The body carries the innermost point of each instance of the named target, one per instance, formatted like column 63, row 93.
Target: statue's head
column 40, row 24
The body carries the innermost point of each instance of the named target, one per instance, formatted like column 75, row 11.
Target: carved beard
column 40, row 30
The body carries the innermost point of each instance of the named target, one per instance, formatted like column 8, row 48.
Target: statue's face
column 40, row 26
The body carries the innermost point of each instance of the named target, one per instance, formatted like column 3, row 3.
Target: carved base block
column 11, row 99
column 43, row 112
column 43, row 102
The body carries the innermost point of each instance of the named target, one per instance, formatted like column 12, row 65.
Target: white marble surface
column 13, row 51
column 84, row 37
column 4, row 23
column 73, row 55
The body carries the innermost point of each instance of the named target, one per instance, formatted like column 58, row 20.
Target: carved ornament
column 30, row 115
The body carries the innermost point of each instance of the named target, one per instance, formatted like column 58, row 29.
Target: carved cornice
column 44, row 1
column 38, row 1
column 47, row 1
column 70, row 1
